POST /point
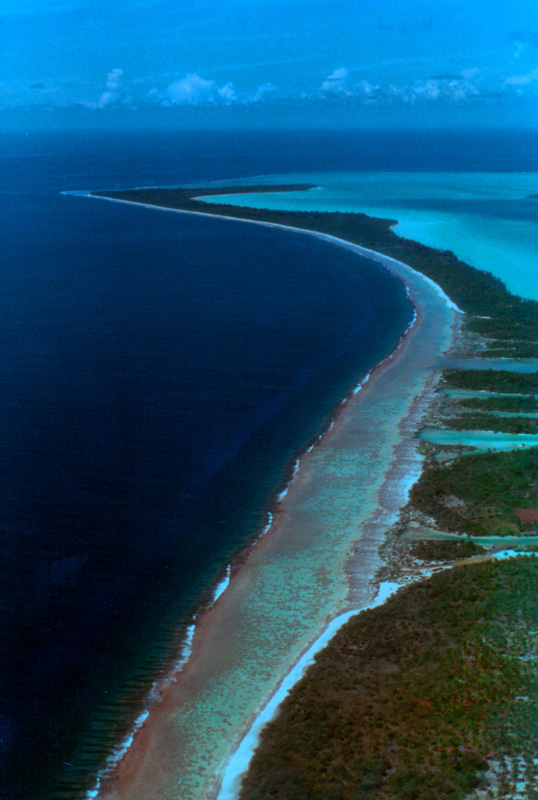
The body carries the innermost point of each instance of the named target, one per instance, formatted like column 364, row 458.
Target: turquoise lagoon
column 489, row 220
column 467, row 394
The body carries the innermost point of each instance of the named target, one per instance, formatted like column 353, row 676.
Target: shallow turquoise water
column 482, row 441
column 527, row 414
column 521, row 365
column 466, row 394
column 488, row 219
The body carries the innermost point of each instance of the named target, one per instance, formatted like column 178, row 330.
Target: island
column 432, row 693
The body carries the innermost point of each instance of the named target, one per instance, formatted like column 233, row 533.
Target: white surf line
column 154, row 696
column 267, row 525
column 391, row 355
column 237, row 764
column 385, row 261
column 221, row 586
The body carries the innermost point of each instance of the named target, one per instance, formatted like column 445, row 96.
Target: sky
column 291, row 62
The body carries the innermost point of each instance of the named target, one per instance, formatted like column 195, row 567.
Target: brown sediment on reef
column 318, row 558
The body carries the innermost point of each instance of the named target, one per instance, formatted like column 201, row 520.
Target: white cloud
column 114, row 79
column 518, row 81
column 456, row 87
column 336, row 82
column 228, row 93
column 370, row 93
column 261, row 91
column 194, row 90
column 448, row 87
column 426, row 90
column 470, row 74
column 113, row 92
column 107, row 98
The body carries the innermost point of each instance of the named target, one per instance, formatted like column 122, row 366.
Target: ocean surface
column 159, row 375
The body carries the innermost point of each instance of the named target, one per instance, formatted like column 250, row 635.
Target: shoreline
column 139, row 748
column 238, row 763
column 392, row 264
column 215, row 591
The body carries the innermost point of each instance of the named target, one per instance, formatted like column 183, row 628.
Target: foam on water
column 222, row 585
column 366, row 378
column 154, row 696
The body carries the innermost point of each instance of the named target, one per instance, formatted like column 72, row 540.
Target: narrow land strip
column 298, row 578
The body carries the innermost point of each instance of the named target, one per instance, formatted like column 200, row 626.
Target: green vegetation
column 477, row 494
column 513, row 404
column 445, row 550
column 492, row 422
column 490, row 380
column 411, row 700
column 507, row 330
column 522, row 349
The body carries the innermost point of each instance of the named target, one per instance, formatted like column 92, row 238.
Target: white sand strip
column 238, row 763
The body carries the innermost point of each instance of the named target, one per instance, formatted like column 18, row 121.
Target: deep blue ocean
column 158, row 375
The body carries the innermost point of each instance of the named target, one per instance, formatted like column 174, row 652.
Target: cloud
column 190, row 90
column 453, row 89
column 261, row 91
column 456, row 86
column 449, row 87
column 113, row 79
column 470, row 74
column 523, row 40
column 518, row 81
column 370, row 93
column 336, row 82
column 193, row 90
column 113, row 93
column 106, row 99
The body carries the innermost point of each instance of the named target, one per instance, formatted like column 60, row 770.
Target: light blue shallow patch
column 526, row 414
column 481, row 441
column 498, row 364
column 467, row 394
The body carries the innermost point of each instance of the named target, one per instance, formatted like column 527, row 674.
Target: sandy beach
column 316, row 563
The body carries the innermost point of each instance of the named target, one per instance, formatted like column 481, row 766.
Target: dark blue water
column 158, row 372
